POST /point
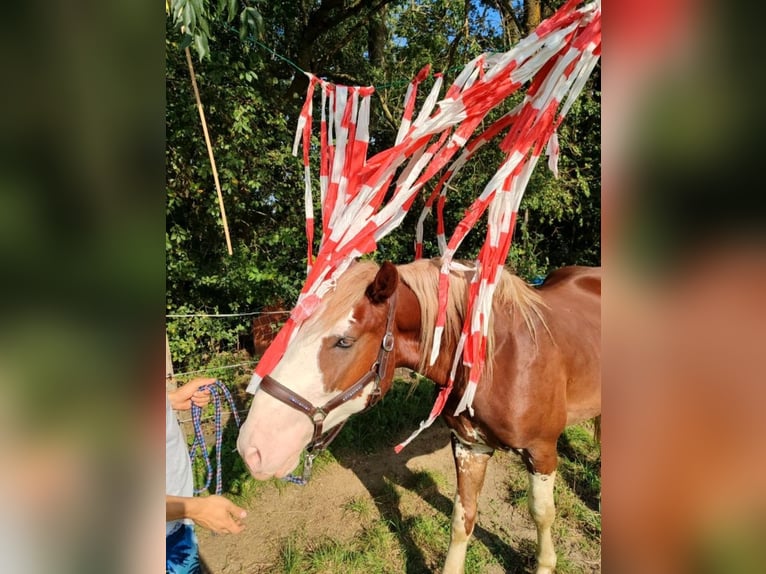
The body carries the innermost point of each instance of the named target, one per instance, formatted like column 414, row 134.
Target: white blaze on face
column 274, row 434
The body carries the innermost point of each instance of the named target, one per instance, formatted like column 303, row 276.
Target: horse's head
column 339, row 359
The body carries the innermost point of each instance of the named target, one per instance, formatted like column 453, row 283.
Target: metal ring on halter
column 319, row 416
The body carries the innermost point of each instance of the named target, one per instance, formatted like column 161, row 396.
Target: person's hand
column 182, row 398
column 216, row 513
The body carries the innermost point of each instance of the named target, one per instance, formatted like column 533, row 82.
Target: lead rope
column 199, row 439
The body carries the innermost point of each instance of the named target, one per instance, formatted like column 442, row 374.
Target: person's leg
column 182, row 552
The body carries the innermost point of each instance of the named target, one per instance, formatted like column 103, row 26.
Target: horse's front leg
column 541, row 463
column 470, row 464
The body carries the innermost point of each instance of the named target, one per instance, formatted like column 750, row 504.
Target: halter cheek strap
column 317, row 415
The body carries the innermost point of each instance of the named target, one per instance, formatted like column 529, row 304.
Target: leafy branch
column 192, row 18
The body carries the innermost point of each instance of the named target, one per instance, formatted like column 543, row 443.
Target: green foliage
column 192, row 20
column 201, row 342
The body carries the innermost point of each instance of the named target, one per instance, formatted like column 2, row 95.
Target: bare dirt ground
column 420, row 480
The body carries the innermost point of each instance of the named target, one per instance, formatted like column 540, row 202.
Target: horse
column 542, row 374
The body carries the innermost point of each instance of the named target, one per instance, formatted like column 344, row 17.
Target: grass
column 577, row 528
column 579, row 481
column 361, row 507
column 378, row 548
column 374, row 551
column 577, row 495
column 427, row 482
column 291, row 556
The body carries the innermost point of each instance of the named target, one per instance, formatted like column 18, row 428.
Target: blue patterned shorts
column 181, row 552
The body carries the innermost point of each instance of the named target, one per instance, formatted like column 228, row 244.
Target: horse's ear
column 384, row 284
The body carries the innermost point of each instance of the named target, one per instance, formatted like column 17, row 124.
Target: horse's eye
column 344, row 343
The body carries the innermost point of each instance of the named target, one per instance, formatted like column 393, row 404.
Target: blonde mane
column 342, row 298
column 422, row 277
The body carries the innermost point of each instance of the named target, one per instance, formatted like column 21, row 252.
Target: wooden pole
column 209, row 150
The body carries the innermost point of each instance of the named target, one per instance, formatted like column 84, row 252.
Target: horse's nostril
column 253, row 459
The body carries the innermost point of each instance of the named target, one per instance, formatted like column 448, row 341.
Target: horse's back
column 577, row 278
column 573, row 294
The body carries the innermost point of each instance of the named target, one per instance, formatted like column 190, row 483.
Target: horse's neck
column 409, row 324
column 410, row 348
column 439, row 372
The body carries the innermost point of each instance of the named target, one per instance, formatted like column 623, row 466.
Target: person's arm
column 182, row 398
column 213, row 512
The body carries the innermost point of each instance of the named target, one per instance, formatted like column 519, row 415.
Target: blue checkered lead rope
column 199, row 439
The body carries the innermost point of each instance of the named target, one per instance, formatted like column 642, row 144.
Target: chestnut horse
column 542, row 374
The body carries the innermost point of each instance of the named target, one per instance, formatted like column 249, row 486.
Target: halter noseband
column 317, row 415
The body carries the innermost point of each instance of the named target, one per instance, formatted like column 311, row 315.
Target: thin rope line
column 216, row 315
column 209, row 369
column 394, row 84
column 281, row 57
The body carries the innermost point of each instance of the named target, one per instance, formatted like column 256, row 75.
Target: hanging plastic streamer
column 555, row 61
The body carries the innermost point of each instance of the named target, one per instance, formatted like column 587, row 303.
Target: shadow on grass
column 580, row 470
column 366, row 446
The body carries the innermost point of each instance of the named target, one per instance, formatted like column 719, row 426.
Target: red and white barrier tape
column 556, row 60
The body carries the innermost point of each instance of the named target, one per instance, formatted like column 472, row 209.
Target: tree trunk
column 511, row 23
column 377, row 34
column 532, row 15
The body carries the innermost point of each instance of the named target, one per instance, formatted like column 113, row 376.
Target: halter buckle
column 388, row 342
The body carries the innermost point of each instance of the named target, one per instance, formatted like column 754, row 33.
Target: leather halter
column 317, row 415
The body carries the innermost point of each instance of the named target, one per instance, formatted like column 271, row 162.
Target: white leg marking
column 542, row 509
column 467, row 457
column 458, row 543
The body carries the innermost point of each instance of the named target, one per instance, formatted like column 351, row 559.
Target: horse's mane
column 346, row 292
column 422, row 277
